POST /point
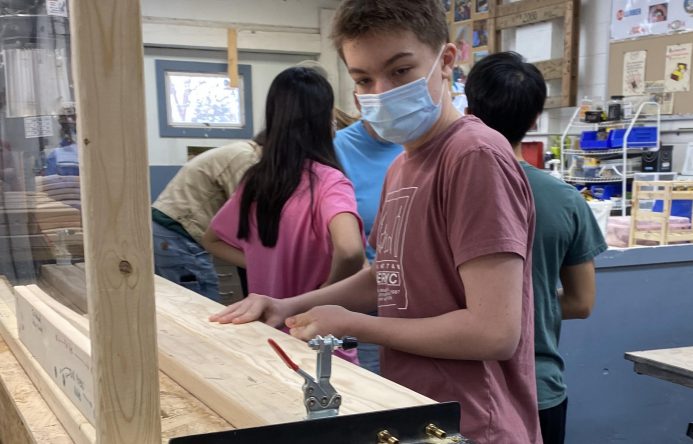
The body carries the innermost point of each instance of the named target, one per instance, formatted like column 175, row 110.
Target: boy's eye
column 402, row 71
column 362, row 82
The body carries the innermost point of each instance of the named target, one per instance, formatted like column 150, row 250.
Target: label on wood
column 529, row 17
column 61, row 350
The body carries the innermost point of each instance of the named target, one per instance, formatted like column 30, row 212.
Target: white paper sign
column 677, row 68
column 40, row 126
column 634, row 73
column 636, row 18
column 56, row 7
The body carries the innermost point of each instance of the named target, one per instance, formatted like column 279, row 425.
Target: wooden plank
column 232, row 57
column 234, row 372
column 524, row 6
column 70, row 282
column 107, row 50
column 527, row 18
column 81, row 323
column 79, row 429
column 571, row 30
column 24, row 415
column 182, row 414
column 551, row 69
column 246, row 345
column 61, row 349
column 554, row 102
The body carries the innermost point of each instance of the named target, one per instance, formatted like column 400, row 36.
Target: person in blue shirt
column 365, row 158
column 508, row 95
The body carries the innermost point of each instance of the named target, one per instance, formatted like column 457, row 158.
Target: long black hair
column 298, row 115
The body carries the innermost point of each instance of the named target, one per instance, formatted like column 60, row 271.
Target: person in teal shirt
column 365, row 158
column 508, row 95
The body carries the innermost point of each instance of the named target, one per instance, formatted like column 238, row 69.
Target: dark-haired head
column 298, row 132
column 506, row 93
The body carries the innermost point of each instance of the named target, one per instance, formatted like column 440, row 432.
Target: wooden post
column 232, row 57
column 108, row 70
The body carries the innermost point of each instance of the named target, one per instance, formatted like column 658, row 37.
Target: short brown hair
column 357, row 18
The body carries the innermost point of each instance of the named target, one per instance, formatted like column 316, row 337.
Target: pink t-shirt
column 300, row 261
column 461, row 196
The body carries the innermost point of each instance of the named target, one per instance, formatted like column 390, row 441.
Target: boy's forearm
column 356, row 293
column 454, row 335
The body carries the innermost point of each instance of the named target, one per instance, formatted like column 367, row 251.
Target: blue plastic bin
column 639, row 137
column 589, row 141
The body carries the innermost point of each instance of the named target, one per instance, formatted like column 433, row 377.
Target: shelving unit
column 622, row 176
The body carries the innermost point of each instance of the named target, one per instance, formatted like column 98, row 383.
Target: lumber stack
column 230, row 368
column 35, row 227
column 32, row 412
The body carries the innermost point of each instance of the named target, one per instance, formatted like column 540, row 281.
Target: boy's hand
column 255, row 307
column 322, row 320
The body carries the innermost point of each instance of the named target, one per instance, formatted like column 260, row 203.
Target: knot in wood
column 125, row 267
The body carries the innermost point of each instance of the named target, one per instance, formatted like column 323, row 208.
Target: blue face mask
column 403, row 114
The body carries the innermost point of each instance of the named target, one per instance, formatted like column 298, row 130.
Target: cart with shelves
column 625, row 135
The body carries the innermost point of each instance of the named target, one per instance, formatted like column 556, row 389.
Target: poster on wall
column 56, row 7
column 634, row 73
column 677, row 68
column 639, row 18
column 655, row 91
column 463, row 10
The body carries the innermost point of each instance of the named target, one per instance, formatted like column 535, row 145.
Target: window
column 195, row 100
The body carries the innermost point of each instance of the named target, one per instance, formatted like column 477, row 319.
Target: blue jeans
column 184, row 262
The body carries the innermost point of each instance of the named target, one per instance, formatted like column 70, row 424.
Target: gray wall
column 644, row 301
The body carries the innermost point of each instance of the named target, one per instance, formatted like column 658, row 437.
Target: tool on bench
column 434, row 423
column 319, row 397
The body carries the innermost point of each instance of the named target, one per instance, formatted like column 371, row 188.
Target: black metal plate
column 406, row 424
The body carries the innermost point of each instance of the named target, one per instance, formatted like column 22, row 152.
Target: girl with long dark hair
column 293, row 223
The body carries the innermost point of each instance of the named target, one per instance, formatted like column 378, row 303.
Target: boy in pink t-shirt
column 453, row 236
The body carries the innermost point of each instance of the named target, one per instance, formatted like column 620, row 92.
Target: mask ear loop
column 433, row 68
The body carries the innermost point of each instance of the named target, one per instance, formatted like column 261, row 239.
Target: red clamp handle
column 282, row 354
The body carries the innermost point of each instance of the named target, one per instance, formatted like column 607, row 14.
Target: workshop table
column 670, row 364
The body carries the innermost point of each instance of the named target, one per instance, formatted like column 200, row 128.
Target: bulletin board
column 655, row 66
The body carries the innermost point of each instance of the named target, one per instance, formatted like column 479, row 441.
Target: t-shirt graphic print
column 392, row 290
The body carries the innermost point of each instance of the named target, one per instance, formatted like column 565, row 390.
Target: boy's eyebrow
column 388, row 62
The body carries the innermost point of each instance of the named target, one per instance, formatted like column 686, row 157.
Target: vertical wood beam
column 108, row 70
column 232, row 56
column 571, row 29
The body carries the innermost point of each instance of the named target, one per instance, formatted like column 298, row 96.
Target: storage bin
column 592, row 140
column 618, row 229
column 640, row 137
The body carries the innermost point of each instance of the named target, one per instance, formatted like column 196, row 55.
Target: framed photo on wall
column 196, row 100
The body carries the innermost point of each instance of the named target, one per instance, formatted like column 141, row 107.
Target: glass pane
column 40, row 207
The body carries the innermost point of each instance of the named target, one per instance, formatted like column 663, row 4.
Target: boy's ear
column 449, row 54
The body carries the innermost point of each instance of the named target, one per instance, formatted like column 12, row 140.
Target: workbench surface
column 670, row 364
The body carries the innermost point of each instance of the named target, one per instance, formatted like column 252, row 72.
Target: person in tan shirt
column 182, row 212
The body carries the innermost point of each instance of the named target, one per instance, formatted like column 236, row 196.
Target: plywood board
column 24, row 415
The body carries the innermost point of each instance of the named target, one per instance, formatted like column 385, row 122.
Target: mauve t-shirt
column 459, row 197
